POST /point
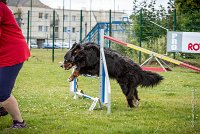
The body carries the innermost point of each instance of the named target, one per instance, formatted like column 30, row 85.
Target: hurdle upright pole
column 107, row 88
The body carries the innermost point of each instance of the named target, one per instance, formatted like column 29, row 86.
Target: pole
column 140, row 36
column 81, row 26
column 107, row 87
column 31, row 23
column 85, row 28
column 90, row 15
column 110, row 27
column 28, row 21
column 53, row 36
column 114, row 10
column 63, row 35
column 174, row 29
column 70, row 29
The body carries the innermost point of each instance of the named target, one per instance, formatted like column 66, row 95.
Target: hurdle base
column 95, row 100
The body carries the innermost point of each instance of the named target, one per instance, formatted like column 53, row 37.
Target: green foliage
column 188, row 12
column 133, row 54
column 43, row 95
column 143, row 15
column 186, row 5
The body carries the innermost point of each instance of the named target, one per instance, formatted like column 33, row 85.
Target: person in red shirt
column 13, row 52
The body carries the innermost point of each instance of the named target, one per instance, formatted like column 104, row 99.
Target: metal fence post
column 53, row 37
column 81, row 26
column 174, row 29
column 140, row 61
column 63, row 34
column 28, row 21
column 110, row 27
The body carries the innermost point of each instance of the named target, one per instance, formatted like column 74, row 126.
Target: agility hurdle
column 79, row 93
column 104, row 83
column 153, row 53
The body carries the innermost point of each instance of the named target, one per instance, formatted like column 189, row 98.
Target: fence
column 64, row 27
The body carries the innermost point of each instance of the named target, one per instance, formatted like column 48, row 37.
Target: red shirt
column 13, row 46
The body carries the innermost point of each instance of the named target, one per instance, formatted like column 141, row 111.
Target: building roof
column 27, row 3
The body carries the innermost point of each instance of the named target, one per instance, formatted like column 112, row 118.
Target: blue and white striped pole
column 104, row 77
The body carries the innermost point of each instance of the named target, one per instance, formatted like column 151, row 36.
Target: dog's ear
column 76, row 49
column 68, row 56
column 74, row 45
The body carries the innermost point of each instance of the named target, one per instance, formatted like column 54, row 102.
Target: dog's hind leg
column 136, row 98
column 132, row 95
column 129, row 94
column 130, row 98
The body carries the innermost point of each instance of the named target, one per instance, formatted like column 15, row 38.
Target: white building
column 41, row 21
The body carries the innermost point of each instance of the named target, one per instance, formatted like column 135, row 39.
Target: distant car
column 46, row 45
column 64, row 44
column 34, row 45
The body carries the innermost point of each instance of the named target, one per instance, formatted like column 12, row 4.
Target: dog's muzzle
column 68, row 65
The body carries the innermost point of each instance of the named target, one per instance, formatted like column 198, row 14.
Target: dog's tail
column 150, row 78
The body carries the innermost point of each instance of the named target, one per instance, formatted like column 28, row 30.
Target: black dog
column 128, row 74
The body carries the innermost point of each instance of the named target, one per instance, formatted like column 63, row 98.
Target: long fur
column 128, row 74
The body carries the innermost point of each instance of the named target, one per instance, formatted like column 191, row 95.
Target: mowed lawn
column 43, row 94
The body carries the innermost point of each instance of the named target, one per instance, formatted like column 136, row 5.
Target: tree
column 188, row 12
column 185, row 5
column 149, row 14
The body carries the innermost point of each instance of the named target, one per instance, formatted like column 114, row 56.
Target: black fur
column 128, row 74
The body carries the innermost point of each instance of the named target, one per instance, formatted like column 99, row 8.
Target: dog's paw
column 70, row 79
column 136, row 103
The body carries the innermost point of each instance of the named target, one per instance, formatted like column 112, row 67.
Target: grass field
column 43, row 95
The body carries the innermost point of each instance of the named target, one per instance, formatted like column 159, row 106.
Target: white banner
column 191, row 42
column 187, row 42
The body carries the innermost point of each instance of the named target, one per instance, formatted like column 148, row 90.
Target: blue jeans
column 8, row 76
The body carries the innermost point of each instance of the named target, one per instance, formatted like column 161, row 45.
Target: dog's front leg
column 74, row 74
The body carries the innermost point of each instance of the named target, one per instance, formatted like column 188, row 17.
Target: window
column 46, row 16
column 65, row 29
column 56, row 29
column 40, row 28
column 40, row 15
column 73, row 18
column 45, row 28
column 73, row 30
column 65, row 17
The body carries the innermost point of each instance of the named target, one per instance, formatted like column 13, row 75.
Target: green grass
column 42, row 91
